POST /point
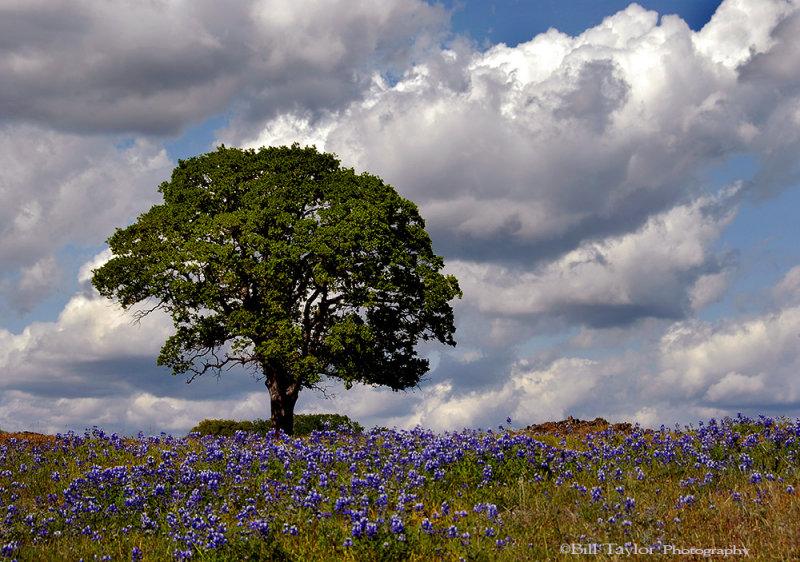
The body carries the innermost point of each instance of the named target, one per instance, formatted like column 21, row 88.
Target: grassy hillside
column 699, row 492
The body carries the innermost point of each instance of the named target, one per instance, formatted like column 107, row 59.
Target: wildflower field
column 690, row 493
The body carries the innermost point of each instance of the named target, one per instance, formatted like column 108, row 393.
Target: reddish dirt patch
column 29, row 436
column 573, row 426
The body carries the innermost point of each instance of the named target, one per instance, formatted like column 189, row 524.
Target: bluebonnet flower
column 260, row 525
column 9, row 549
column 396, row 525
column 630, row 504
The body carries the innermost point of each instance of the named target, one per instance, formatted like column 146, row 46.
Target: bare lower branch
column 218, row 364
column 139, row 314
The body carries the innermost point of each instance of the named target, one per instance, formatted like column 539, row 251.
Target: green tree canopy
column 281, row 259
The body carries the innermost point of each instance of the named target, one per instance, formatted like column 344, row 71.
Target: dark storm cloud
column 771, row 83
column 482, row 372
column 101, row 378
column 599, row 91
column 156, row 67
column 509, row 245
column 778, row 65
column 58, row 189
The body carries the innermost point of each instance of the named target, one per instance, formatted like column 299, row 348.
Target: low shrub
column 227, row 428
column 304, row 424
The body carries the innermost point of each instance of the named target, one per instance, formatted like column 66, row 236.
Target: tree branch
column 139, row 314
column 227, row 363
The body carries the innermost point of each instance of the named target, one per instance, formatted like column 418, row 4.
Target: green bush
column 304, row 424
column 226, row 428
column 263, row 427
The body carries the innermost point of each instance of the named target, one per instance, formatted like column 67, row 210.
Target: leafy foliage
column 226, row 428
column 304, row 424
column 282, row 260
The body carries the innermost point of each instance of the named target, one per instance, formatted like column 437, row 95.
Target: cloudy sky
column 615, row 186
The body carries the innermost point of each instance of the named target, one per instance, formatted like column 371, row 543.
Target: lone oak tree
column 283, row 260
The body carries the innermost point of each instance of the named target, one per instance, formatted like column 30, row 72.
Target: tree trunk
column 283, row 392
